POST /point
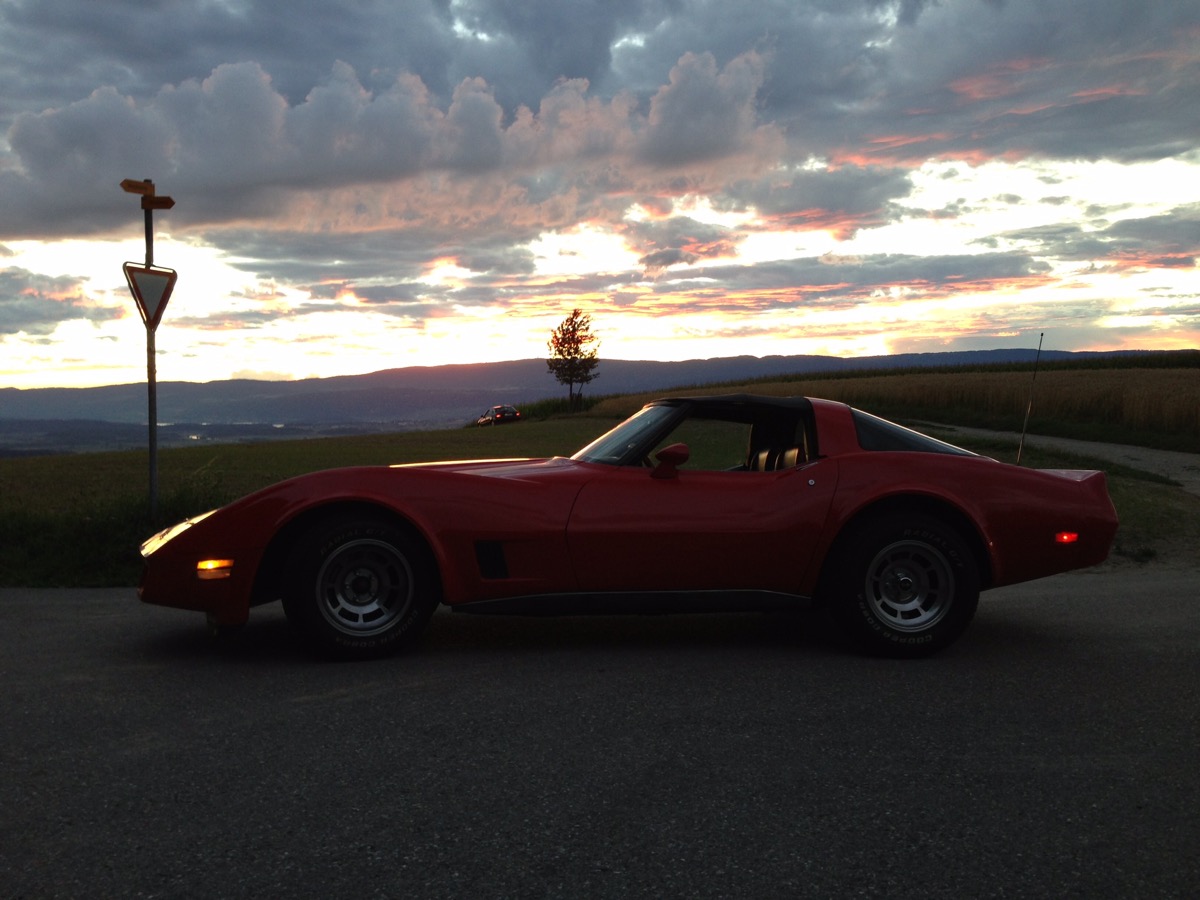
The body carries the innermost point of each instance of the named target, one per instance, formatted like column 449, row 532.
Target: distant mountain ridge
column 429, row 393
column 58, row 419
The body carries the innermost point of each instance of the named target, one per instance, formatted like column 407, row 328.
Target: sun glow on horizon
column 707, row 300
column 581, row 251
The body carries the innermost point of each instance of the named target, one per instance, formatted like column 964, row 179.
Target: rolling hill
column 49, row 420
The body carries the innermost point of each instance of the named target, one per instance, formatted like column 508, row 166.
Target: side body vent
column 490, row 557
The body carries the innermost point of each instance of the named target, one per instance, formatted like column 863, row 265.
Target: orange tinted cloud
column 1001, row 80
column 1112, row 90
column 839, row 224
column 1136, row 261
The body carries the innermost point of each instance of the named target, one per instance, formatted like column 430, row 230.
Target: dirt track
column 1181, row 467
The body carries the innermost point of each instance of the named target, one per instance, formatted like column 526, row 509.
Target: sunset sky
column 368, row 184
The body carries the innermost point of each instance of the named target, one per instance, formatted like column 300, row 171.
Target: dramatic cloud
column 35, row 304
column 492, row 162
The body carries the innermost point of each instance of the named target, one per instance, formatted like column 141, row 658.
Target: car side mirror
column 670, row 458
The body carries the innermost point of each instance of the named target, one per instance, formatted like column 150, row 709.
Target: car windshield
column 612, row 447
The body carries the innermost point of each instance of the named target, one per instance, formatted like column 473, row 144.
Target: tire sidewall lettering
column 340, row 538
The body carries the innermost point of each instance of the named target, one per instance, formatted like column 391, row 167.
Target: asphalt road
column 1052, row 752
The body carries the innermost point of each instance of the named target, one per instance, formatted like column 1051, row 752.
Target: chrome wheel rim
column 363, row 587
column 909, row 585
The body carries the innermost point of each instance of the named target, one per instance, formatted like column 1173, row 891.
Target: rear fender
column 901, row 504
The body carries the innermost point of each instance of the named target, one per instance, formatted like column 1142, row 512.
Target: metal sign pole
column 151, row 318
column 151, row 379
column 153, row 415
column 152, row 383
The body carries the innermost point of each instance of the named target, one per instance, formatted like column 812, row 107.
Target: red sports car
column 698, row 503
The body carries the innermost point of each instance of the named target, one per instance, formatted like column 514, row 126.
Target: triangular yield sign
column 151, row 287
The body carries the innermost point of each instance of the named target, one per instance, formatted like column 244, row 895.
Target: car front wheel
column 904, row 585
column 359, row 587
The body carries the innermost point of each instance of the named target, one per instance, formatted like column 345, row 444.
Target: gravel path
column 1181, row 467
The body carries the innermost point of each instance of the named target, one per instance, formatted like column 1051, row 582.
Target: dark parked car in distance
column 499, row 415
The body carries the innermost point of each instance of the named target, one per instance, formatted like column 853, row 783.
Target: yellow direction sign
column 146, row 189
column 151, row 287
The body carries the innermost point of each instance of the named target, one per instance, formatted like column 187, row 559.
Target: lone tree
column 571, row 360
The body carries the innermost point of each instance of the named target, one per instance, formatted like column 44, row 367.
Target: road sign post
column 151, row 287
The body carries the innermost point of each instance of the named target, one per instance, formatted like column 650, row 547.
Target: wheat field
column 1159, row 401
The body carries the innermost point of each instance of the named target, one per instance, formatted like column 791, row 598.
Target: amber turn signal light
column 214, row 569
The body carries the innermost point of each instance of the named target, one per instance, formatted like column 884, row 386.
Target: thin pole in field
column 1029, row 406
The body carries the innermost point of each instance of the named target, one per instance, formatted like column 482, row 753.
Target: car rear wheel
column 359, row 587
column 904, row 585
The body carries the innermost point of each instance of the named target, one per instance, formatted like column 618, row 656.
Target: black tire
column 359, row 587
column 903, row 585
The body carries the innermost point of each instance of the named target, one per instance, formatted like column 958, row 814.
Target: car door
column 700, row 529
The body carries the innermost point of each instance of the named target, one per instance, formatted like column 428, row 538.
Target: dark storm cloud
column 839, row 282
column 841, row 200
column 527, row 45
column 849, row 190
column 234, row 101
column 385, row 271
column 61, row 50
column 303, row 258
column 863, row 277
column 353, row 142
column 1170, row 240
column 37, row 304
column 663, row 243
column 704, row 112
column 1178, row 231
column 1086, row 79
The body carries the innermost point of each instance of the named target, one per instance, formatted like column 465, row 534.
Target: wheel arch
column 272, row 569
column 912, row 504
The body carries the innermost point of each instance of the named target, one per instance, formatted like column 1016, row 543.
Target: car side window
column 714, row 445
column 875, row 433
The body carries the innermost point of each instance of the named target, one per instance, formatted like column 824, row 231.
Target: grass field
column 1146, row 407
column 77, row 520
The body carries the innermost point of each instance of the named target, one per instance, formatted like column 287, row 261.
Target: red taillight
column 1066, row 537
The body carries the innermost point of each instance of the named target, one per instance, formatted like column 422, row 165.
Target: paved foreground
column 1052, row 752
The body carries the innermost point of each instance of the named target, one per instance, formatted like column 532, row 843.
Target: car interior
column 778, row 443
column 768, row 443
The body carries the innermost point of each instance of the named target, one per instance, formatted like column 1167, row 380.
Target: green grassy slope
column 77, row 520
